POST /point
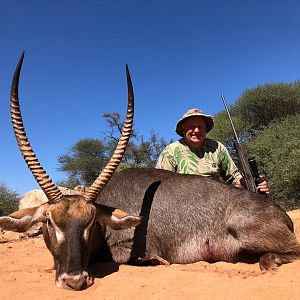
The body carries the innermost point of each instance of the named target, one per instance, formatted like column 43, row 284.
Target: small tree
column 8, row 200
column 88, row 157
column 83, row 162
column 140, row 152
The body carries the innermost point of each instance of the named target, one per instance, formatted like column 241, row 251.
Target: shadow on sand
column 102, row 269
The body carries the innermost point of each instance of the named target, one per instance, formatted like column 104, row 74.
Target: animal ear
column 115, row 218
column 23, row 219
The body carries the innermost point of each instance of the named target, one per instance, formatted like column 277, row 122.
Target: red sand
column 26, row 274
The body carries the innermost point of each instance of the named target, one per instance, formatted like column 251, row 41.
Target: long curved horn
column 52, row 192
column 116, row 158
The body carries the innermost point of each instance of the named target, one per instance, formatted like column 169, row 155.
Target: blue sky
column 181, row 54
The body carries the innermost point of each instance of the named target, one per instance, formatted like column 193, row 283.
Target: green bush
column 277, row 152
column 8, row 200
column 267, row 103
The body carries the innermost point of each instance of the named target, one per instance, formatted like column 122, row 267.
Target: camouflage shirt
column 212, row 160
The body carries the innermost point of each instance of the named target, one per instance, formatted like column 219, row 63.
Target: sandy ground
column 26, row 274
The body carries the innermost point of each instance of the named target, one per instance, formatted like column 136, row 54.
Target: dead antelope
column 73, row 224
column 185, row 218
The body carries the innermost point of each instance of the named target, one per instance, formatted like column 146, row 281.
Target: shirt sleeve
column 230, row 172
column 166, row 160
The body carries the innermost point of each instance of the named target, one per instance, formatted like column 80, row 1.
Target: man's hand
column 263, row 186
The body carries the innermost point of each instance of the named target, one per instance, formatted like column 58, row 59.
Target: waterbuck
column 74, row 225
column 182, row 219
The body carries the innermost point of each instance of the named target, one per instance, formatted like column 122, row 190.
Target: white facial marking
column 60, row 236
column 86, row 231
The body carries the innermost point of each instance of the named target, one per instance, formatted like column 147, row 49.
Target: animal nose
column 76, row 283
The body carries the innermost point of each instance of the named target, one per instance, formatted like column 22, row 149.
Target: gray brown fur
column 189, row 218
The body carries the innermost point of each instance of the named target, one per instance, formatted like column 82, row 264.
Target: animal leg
column 270, row 261
column 150, row 261
column 35, row 232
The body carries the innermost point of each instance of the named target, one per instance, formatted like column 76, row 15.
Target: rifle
column 249, row 167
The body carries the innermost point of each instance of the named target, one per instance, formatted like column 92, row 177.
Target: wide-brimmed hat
column 209, row 120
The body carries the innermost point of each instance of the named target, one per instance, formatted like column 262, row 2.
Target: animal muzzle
column 76, row 282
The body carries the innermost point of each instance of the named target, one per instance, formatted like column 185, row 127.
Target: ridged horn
column 97, row 186
column 49, row 188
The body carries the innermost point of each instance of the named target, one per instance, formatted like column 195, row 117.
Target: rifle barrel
column 229, row 117
column 249, row 180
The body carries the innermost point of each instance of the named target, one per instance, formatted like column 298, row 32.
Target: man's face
column 194, row 132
